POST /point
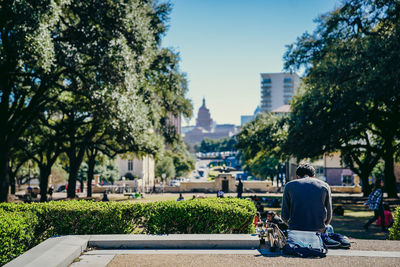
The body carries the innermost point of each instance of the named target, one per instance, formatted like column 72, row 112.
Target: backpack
column 304, row 244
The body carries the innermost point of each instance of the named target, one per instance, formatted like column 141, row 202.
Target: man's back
column 307, row 204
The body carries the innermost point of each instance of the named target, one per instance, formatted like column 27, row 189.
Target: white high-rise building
column 277, row 89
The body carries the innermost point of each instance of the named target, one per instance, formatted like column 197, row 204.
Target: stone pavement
column 191, row 250
column 362, row 253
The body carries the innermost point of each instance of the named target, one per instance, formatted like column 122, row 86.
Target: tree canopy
column 90, row 74
column 260, row 142
column 351, row 91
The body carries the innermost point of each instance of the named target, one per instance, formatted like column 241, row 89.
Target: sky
column 224, row 45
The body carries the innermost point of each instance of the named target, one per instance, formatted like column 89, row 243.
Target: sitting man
column 274, row 218
column 307, row 202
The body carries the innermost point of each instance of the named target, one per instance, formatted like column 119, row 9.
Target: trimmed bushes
column 24, row 225
column 16, row 234
column 207, row 216
column 394, row 231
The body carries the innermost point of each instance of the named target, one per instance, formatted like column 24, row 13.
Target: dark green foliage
column 24, row 225
column 394, row 231
column 16, row 234
column 260, row 142
column 220, row 145
column 351, row 98
column 201, row 216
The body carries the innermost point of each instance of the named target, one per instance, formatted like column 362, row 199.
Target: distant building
column 281, row 111
column 206, row 127
column 186, row 129
column 277, row 89
column 140, row 168
column 175, row 121
column 204, row 117
column 247, row 118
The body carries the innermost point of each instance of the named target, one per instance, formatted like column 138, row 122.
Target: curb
column 55, row 251
column 176, row 241
column 63, row 250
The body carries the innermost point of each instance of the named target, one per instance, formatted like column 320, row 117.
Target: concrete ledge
column 55, row 251
column 184, row 241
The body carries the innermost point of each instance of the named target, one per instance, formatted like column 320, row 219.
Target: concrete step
column 176, row 241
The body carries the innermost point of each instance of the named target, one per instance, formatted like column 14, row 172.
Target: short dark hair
column 271, row 213
column 305, row 169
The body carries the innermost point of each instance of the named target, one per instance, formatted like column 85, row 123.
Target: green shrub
column 17, row 234
column 24, row 225
column 200, row 216
column 82, row 217
column 394, row 231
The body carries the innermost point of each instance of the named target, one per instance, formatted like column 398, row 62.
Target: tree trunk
column 73, row 175
column 44, row 182
column 390, row 179
column 4, row 179
column 366, row 188
column 82, row 185
column 90, row 177
column 75, row 155
column 12, row 183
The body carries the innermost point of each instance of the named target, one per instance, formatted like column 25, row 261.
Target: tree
column 220, row 145
column 183, row 161
column 352, row 60
column 27, row 56
column 101, row 65
column 260, row 142
column 317, row 126
column 165, row 165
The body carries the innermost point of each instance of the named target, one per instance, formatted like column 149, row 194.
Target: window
column 287, row 80
column 266, row 81
column 347, row 180
column 130, row 165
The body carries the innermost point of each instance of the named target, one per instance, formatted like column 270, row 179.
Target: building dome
column 204, row 117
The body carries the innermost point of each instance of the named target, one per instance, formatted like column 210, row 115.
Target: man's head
column 270, row 215
column 305, row 170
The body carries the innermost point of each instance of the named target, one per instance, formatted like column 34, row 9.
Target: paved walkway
column 362, row 253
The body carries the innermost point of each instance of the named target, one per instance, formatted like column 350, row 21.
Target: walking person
column 375, row 203
column 239, row 188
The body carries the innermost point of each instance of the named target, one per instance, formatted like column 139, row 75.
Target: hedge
column 38, row 221
column 394, row 231
column 16, row 234
column 200, row 216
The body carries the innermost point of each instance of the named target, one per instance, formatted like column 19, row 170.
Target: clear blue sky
column 225, row 44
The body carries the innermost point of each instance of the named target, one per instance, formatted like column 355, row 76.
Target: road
column 200, row 165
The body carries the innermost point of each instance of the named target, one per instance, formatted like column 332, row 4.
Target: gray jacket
column 307, row 205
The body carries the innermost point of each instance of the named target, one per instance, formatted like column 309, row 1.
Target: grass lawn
column 351, row 224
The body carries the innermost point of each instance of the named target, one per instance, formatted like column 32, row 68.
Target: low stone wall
column 214, row 186
column 346, row 189
column 256, row 186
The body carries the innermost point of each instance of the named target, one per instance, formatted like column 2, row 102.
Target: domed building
column 205, row 127
column 204, row 117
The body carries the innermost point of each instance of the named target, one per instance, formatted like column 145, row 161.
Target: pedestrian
column 307, row 209
column 239, row 188
column 274, row 218
column 257, row 219
column 180, row 197
column 375, row 203
column 50, row 192
column 259, row 207
column 307, row 202
column 105, row 197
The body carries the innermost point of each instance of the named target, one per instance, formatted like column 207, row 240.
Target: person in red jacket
column 257, row 218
